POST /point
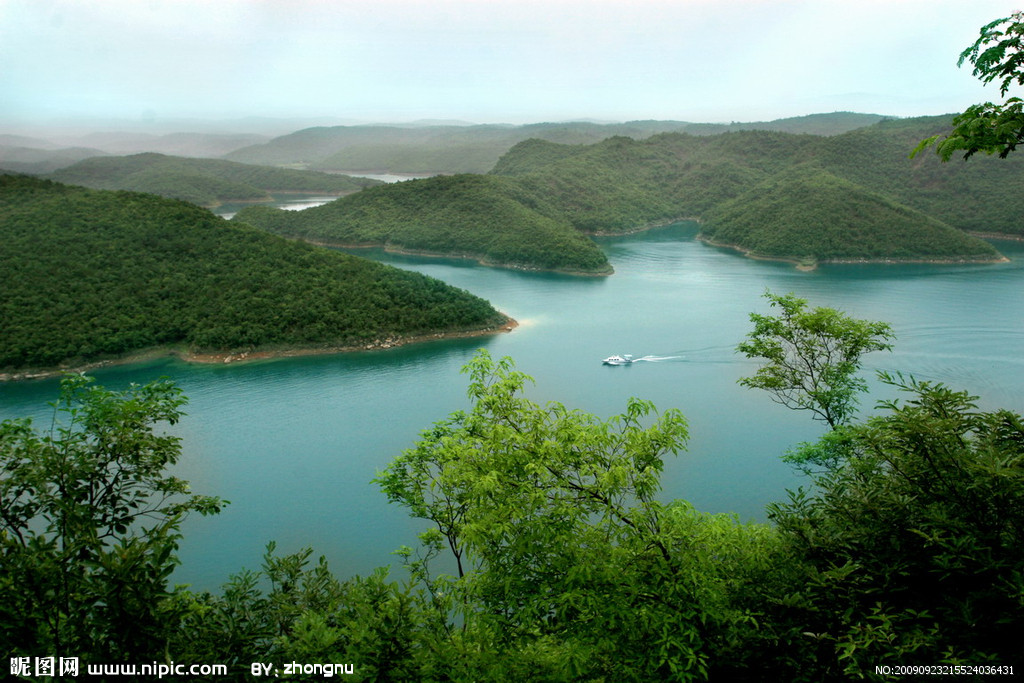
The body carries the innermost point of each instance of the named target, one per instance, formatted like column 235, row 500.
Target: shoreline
column 482, row 260
column 647, row 226
column 224, row 357
column 806, row 266
column 270, row 199
column 996, row 235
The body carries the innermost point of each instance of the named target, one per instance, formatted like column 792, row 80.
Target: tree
column 563, row 551
column 910, row 545
column 813, row 357
column 997, row 55
column 89, row 524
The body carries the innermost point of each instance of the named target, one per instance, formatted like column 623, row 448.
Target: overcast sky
column 488, row 60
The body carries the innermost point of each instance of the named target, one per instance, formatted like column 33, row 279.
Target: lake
column 293, row 443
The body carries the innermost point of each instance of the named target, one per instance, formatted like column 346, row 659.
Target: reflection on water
column 293, row 443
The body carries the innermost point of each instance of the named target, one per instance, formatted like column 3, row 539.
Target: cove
column 293, row 443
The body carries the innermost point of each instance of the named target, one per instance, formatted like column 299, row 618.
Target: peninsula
column 94, row 276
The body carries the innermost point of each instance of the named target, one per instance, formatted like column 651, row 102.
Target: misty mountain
column 476, row 149
column 201, row 181
column 40, row 160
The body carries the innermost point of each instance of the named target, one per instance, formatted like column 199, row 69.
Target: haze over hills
column 420, row 147
column 563, row 179
column 475, row 149
column 206, row 182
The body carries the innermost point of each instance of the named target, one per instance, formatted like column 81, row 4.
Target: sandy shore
column 254, row 355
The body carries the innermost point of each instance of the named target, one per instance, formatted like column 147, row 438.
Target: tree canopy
column 994, row 128
column 567, row 563
column 93, row 274
column 812, row 357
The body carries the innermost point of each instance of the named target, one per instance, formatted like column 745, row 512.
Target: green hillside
column 93, row 274
column 812, row 215
column 856, row 195
column 488, row 218
column 676, row 175
column 620, row 184
column 201, row 181
column 982, row 194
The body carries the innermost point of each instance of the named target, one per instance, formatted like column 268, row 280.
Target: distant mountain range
column 207, row 182
column 422, row 147
column 475, row 149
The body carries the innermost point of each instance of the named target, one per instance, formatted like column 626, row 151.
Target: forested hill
column 676, row 175
column 774, row 194
column 809, row 215
column 475, row 149
column 201, row 181
column 495, row 220
column 92, row 274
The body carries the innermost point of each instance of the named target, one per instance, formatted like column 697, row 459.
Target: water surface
column 293, row 443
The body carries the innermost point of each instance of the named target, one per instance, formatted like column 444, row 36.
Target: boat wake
column 627, row 359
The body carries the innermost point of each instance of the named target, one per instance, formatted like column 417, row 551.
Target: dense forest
column 674, row 175
column 206, row 182
column 92, row 274
column 856, row 195
column 809, row 215
column 484, row 217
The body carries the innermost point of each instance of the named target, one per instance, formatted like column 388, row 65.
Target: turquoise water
column 293, row 443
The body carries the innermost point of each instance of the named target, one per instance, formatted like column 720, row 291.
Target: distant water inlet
column 294, row 443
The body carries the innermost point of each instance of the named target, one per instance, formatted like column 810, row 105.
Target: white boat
column 624, row 359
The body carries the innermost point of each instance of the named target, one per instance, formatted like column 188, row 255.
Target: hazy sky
column 488, row 60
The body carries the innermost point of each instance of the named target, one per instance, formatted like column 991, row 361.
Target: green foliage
column 997, row 55
column 200, row 181
column 483, row 217
column 89, row 523
column 560, row 541
column 290, row 611
column 569, row 568
column 812, row 215
column 91, row 274
column 973, row 197
column 854, row 195
column 911, row 548
column 812, row 357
